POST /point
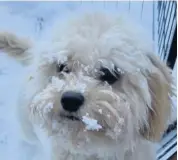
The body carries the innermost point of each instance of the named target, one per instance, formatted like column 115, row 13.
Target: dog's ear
column 15, row 47
column 160, row 85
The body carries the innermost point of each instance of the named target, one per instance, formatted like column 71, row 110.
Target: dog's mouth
column 70, row 117
column 73, row 118
column 92, row 125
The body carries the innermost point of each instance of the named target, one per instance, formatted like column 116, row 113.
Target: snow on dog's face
column 98, row 84
column 80, row 96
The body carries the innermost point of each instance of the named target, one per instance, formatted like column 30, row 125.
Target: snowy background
column 33, row 19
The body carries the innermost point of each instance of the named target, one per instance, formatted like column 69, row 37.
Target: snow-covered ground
column 33, row 19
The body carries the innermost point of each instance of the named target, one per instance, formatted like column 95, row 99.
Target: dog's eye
column 62, row 68
column 109, row 76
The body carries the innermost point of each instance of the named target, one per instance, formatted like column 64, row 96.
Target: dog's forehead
column 85, row 53
column 93, row 38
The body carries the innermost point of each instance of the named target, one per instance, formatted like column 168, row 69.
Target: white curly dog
column 95, row 91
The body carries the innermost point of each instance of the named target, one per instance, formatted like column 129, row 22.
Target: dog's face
column 99, row 69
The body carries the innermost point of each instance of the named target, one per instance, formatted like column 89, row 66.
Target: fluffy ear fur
column 160, row 84
column 15, row 47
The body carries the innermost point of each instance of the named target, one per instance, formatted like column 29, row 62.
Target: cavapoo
column 95, row 91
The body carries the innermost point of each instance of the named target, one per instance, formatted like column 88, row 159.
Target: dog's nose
column 71, row 101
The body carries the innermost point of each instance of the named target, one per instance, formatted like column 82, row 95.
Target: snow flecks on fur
column 51, row 56
column 57, row 83
column 100, row 111
column 44, row 95
column 81, row 87
column 117, row 128
column 48, row 107
column 119, row 70
column 76, row 83
column 91, row 124
column 61, row 59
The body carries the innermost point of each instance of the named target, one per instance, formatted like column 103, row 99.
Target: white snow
column 100, row 111
column 48, row 107
column 57, row 83
column 81, row 87
column 91, row 124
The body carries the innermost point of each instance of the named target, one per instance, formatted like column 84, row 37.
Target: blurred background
column 33, row 19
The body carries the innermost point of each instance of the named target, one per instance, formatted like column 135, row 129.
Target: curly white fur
column 130, row 113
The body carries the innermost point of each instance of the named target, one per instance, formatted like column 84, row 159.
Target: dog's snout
column 71, row 101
